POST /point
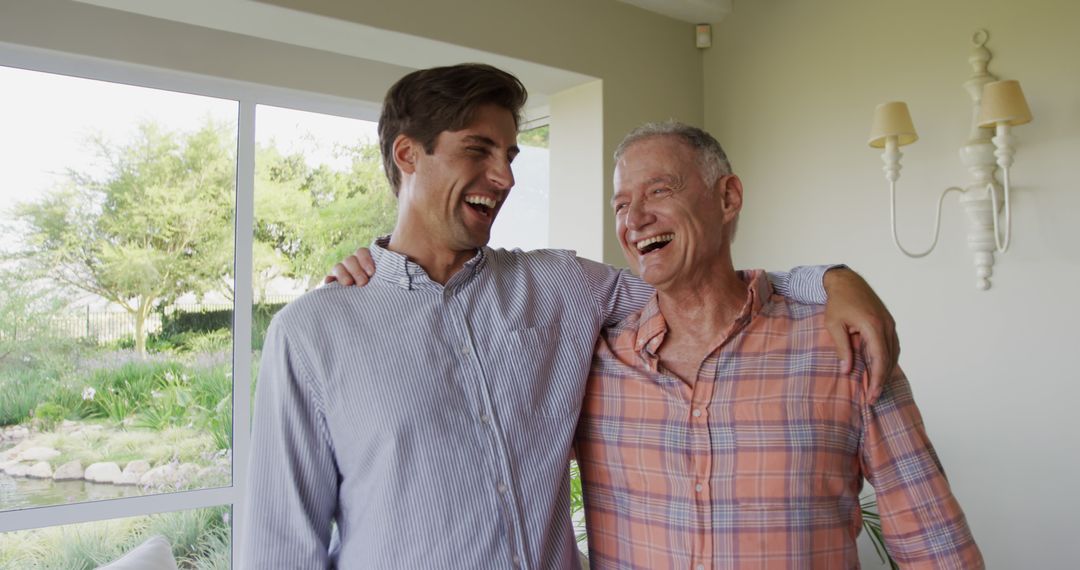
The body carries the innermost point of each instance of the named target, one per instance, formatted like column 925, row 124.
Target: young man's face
column 461, row 186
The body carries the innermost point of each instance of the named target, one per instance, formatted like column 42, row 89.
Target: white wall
column 790, row 87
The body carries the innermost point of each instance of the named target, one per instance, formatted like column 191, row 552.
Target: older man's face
column 669, row 224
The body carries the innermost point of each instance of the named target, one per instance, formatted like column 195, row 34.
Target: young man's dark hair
column 427, row 102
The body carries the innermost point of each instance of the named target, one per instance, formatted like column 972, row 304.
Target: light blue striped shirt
column 432, row 423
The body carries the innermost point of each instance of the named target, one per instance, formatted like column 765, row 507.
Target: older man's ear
column 731, row 200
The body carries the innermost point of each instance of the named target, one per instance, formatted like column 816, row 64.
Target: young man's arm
column 292, row 479
column 851, row 306
column 921, row 520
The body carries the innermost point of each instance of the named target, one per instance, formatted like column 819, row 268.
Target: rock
column 159, row 476
column 38, row 454
column 133, row 472
column 67, row 426
column 186, row 473
column 17, row 470
column 127, row 479
column 40, row 470
column 106, row 472
column 70, row 471
column 138, row 467
column 17, row 432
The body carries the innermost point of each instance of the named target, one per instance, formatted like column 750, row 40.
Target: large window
column 138, row 209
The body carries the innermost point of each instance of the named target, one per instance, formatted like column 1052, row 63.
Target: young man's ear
column 404, row 152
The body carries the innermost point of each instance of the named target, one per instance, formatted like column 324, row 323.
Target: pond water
column 21, row 493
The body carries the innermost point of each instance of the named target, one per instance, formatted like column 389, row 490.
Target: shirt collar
column 398, row 270
column 652, row 328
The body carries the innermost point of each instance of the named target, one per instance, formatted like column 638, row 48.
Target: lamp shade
column 1003, row 102
column 892, row 119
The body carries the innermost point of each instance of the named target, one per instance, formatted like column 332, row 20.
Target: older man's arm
column 921, row 520
column 292, row 479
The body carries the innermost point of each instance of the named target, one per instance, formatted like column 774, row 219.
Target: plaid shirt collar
column 652, row 328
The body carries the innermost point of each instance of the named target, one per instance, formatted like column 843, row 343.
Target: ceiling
column 692, row 11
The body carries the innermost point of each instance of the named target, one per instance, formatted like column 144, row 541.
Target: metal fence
column 108, row 326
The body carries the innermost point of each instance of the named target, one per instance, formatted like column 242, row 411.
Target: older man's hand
column 853, row 308
column 355, row 269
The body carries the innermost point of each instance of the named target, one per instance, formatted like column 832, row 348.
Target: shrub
column 119, row 392
column 214, row 341
column 48, row 414
column 20, row 392
column 200, row 539
column 180, row 322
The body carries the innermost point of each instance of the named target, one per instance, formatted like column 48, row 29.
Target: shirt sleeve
column 292, row 478
column 803, row 284
column 921, row 520
column 616, row 292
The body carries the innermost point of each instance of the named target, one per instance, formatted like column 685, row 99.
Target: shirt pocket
column 545, row 369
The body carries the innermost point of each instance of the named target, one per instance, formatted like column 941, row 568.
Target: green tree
column 27, row 337
column 309, row 218
column 157, row 225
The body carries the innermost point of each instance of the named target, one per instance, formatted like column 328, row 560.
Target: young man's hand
column 854, row 309
column 355, row 269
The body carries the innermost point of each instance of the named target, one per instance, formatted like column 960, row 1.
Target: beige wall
column 790, row 87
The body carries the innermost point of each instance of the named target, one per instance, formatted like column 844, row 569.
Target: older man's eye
column 659, row 190
column 620, row 207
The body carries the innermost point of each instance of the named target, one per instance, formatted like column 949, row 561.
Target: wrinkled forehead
column 655, row 160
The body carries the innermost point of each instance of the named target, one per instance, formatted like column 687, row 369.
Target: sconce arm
column 937, row 220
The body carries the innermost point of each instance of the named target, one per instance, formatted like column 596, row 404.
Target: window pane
column 116, row 222
column 523, row 219
column 199, row 539
column 320, row 193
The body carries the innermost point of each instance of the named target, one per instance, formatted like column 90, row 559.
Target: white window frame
column 248, row 95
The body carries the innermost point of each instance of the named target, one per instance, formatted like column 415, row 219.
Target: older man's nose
column 637, row 216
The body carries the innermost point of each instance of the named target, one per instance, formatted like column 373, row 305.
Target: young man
column 431, row 413
column 718, row 429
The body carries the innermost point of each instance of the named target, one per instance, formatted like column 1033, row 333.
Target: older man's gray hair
column 711, row 156
column 712, row 159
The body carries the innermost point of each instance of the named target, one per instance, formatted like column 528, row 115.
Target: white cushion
column 154, row 554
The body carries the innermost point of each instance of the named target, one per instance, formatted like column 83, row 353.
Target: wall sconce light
column 998, row 106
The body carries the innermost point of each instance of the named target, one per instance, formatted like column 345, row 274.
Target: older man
column 718, row 429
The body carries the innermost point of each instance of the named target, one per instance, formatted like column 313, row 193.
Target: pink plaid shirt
column 758, row 462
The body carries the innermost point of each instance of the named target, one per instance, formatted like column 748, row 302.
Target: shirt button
column 517, row 560
column 404, row 281
column 699, row 487
column 700, row 567
column 697, row 414
column 485, row 418
column 501, row 487
column 465, row 350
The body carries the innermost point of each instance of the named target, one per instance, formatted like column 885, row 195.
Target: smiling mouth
column 649, row 245
column 481, row 204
